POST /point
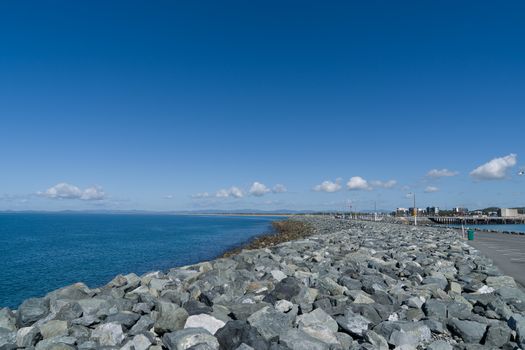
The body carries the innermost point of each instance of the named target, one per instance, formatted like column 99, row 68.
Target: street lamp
column 413, row 194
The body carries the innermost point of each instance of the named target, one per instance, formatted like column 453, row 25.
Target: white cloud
column 441, row 173
column 233, row 191
column 357, row 183
column 201, row 195
column 66, row 191
column 258, row 189
column 94, row 193
column 329, row 186
column 384, row 184
column 279, row 188
column 431, row 189
column 496, row 169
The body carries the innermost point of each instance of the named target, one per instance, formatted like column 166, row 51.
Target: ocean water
column 511, row 228
column 43, row 252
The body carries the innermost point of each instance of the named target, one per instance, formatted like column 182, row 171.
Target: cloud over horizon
column 234, row 192
column 431, row 189
column 64, row 190
column 258, row 189
column 279, row 188
column 328, row 186
column 357, row 183
column 495, row 169
column 437, row 173
column 383, row 184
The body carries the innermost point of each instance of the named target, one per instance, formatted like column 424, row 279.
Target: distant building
column 460, row 211
column 506, row 212
column 432, row 210
column 401, row 212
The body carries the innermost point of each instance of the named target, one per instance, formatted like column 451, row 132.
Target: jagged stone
column 108, row 334
column 469, row 331
column 209, row 323
column 7, row 319
column 54, row 328
column 31, row 311
column 187, row 338
column 171, row 317
column 235, row 333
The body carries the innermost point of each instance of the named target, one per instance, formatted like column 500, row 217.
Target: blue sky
column 171, row 105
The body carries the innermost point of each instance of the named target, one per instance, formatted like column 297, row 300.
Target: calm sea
column 511, row 228
column 43, row 252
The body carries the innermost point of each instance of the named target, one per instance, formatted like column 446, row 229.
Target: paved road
column 506, row 250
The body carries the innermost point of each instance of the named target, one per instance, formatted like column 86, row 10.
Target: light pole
column 415, row 209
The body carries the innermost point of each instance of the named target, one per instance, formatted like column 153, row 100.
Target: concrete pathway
column 506, row 250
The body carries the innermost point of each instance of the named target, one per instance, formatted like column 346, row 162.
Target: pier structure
column 473, row 220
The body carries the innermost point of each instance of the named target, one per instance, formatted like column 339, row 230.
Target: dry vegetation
column 286, row 230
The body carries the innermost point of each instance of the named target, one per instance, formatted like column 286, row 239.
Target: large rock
column 497, row 335
column 27, row 336
column 139, row 342
column 7, row 339
column 497, row 282
column 171, row 317
column 469, row 331
column 517, row 324
column 54, row 328
column 75, row 291
column 439, row 345
column 320, row 325
column 31, row 311
column 269, row 322
column 144, row 324
column 353, row 323
column 209, row 323
column 286, row 289
column 235, row 333
column 108, row 334
column 56, row 343
column 7, row 319
column 188, row 338
column 436, row 309
column 378, row 341
column 296, row 339
column 92, row 306
column 126, row 318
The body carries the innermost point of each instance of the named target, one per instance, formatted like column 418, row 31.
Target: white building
column 506, row 212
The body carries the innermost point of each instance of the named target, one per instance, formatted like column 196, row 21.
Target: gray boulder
column 7, row 319
column 27, row 336
column 56, row 343
column 498, row 335
column 7, row 339
column 53, row 328
column 144, row 324
column 126, row 318
column 269, row 322
column 235, row 333
column 139, row 342
column 108, row 334
column 171, row 317
column 31, row 311
column 354, row 324
column 469, row 331
column 296, row 339
column 187, row 338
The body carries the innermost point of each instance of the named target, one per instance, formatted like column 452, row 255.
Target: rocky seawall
column 350, row 285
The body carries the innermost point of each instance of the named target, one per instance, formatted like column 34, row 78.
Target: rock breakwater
column 350, row 285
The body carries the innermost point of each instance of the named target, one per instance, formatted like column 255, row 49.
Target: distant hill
column 179, row 212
